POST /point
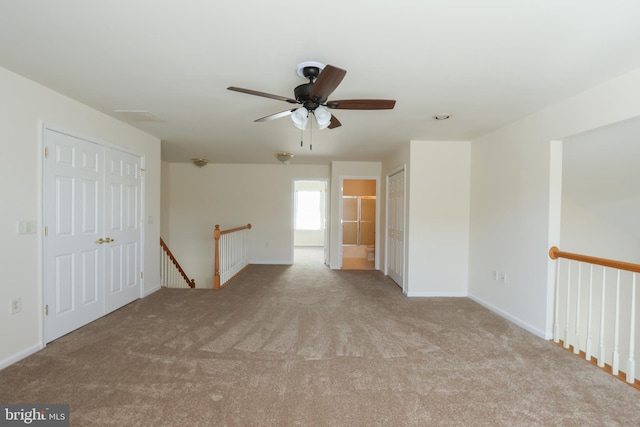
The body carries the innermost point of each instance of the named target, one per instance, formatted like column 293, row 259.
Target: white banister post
column 631, row 363
column 615, row 364
column 587, row 349
column 601, row 346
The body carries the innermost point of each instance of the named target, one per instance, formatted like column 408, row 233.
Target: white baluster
column 631, row 363
column 601, row 347
column 587, row 350
column 568, row 308
column 576, row 345
column 615, row 364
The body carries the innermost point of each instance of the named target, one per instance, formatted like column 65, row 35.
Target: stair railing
column 171, row 273
column 231, row 253
column 595, row 308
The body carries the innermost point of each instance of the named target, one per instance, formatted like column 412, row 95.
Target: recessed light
column 441, row 116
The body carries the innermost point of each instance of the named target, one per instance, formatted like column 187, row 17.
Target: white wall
column 339, row 171
column 511, row 188
column 24, row 107
column 231, row 195
column 438, row 226
column 583, row 231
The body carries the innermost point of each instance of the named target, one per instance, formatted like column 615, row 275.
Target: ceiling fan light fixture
column 285, row 158
column 323, row 117
column 300, row 116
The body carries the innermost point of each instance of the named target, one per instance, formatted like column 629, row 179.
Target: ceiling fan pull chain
column 311, row 137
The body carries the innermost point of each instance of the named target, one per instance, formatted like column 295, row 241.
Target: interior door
column 395, row 227
column 92, row 199
column 122, row 228
column 72, row 266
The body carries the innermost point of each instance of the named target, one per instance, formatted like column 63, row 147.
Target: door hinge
column 46, row 152
column 141, row 172
column 46, row 310
column 141, row 275
column 46, row 231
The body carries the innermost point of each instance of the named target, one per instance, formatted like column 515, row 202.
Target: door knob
column 107, row 240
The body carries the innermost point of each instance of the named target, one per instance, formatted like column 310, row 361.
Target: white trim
column 274, row 262
column 21, row 355
column 326, row 218
column 515, row 320
column 437, row 294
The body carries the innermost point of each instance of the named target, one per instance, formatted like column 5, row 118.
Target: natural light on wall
column 309, row 210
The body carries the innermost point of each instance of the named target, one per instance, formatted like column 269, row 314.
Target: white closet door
column 72, row 265
column 395, row 227
column 92, row 198
column 122, row 228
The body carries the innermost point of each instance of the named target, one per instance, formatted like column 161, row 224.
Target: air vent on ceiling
column 139, row 116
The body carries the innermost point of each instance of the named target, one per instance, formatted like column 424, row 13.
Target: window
column 309, row 208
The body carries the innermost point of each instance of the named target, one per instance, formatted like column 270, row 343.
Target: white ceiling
column 488, row 62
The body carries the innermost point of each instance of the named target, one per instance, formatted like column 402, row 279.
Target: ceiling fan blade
column 334, row 122
column 327, row 81
column 263, row 94
column 362, row 104
column 274, row 116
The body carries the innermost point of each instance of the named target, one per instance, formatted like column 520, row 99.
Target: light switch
column 27, row 227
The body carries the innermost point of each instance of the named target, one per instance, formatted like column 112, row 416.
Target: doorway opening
column 359, row 224
column 310, row 222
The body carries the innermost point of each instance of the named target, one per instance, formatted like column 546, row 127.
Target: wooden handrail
column 216, row 261
column 231, row 230
column 556, row 253
column 190, row 282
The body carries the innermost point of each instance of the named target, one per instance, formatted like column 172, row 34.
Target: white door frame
column 325, row 214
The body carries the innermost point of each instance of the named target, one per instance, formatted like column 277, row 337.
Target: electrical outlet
column 16, row 305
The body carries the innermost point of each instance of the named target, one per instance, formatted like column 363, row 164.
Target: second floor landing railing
column 231, row 253
column 171, row 274
column 595, row 311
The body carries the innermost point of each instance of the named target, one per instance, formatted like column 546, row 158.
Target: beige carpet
column 305, row 345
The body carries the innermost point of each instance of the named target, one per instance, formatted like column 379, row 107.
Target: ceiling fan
column 313, row 97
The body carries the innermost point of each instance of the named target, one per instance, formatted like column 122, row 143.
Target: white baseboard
column 287, row 262
column 523, row 325
column 148, row 292
column 437, row 294
column 20, row 355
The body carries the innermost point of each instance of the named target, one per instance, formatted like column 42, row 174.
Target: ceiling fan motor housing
column 302, row 95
